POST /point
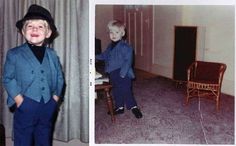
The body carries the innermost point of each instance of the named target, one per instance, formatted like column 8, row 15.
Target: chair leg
column 186, row 101
column 218, row 102
column 217, row 105
column 187, row 97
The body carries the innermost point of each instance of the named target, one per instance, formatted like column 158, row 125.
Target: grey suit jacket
column 18, row 72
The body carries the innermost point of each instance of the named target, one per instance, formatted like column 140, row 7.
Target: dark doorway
column 185, row 50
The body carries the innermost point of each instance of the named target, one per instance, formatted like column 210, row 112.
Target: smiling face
column 36, row 31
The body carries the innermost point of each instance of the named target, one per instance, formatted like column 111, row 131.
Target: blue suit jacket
column 19, row 65
column 119, row 57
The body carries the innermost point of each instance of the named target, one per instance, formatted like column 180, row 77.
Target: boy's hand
column 18, row 99
column 56, row 98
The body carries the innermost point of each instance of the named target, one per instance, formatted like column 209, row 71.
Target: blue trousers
column 122, row 90
column 33, row 123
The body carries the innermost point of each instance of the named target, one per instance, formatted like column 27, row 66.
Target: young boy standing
column 33, row 79
column 118, row 59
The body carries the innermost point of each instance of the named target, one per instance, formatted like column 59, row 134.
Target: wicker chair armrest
column 190, row 71
column 221, row 72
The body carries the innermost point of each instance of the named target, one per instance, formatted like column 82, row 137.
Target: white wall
column 164, row 19
column 218, row 25
column 219, row 36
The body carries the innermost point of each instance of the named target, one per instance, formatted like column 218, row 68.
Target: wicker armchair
column 204, row 79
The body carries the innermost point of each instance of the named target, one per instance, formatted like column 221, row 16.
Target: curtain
column 71, row 19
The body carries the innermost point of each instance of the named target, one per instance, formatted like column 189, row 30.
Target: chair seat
column 203, row 86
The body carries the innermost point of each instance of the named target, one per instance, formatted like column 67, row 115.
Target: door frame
column 174, row 57
column 146, row 46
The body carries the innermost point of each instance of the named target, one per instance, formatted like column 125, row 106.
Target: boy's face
column 116, row 33
column 36, row 31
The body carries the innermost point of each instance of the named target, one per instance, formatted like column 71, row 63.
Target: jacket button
column 43, row 88
column 42, row 71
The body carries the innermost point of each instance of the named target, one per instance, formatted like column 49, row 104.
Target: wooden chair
column 106, row 87
column 204, row 79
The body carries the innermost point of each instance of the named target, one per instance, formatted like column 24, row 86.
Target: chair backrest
column 211, row 71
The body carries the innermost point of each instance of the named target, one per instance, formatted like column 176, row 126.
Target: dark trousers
column 2, row 135
column 33, row 123
column 122, row 90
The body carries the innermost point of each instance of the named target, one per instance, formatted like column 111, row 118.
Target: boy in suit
column 118, row 59
column 33, row 79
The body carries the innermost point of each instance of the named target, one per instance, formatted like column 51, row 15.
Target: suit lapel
column 29, row 56
column 51, row 59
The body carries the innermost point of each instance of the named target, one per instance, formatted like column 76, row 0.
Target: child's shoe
column 117, row 111
column 137, row 113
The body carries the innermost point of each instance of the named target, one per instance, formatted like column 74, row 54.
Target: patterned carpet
column 165, row 119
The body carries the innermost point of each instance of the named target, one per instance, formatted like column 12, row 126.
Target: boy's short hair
column 116, row 23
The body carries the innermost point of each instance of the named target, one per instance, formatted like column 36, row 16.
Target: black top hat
column 38, row 12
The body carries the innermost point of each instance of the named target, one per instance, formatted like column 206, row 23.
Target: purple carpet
column 165, row 119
